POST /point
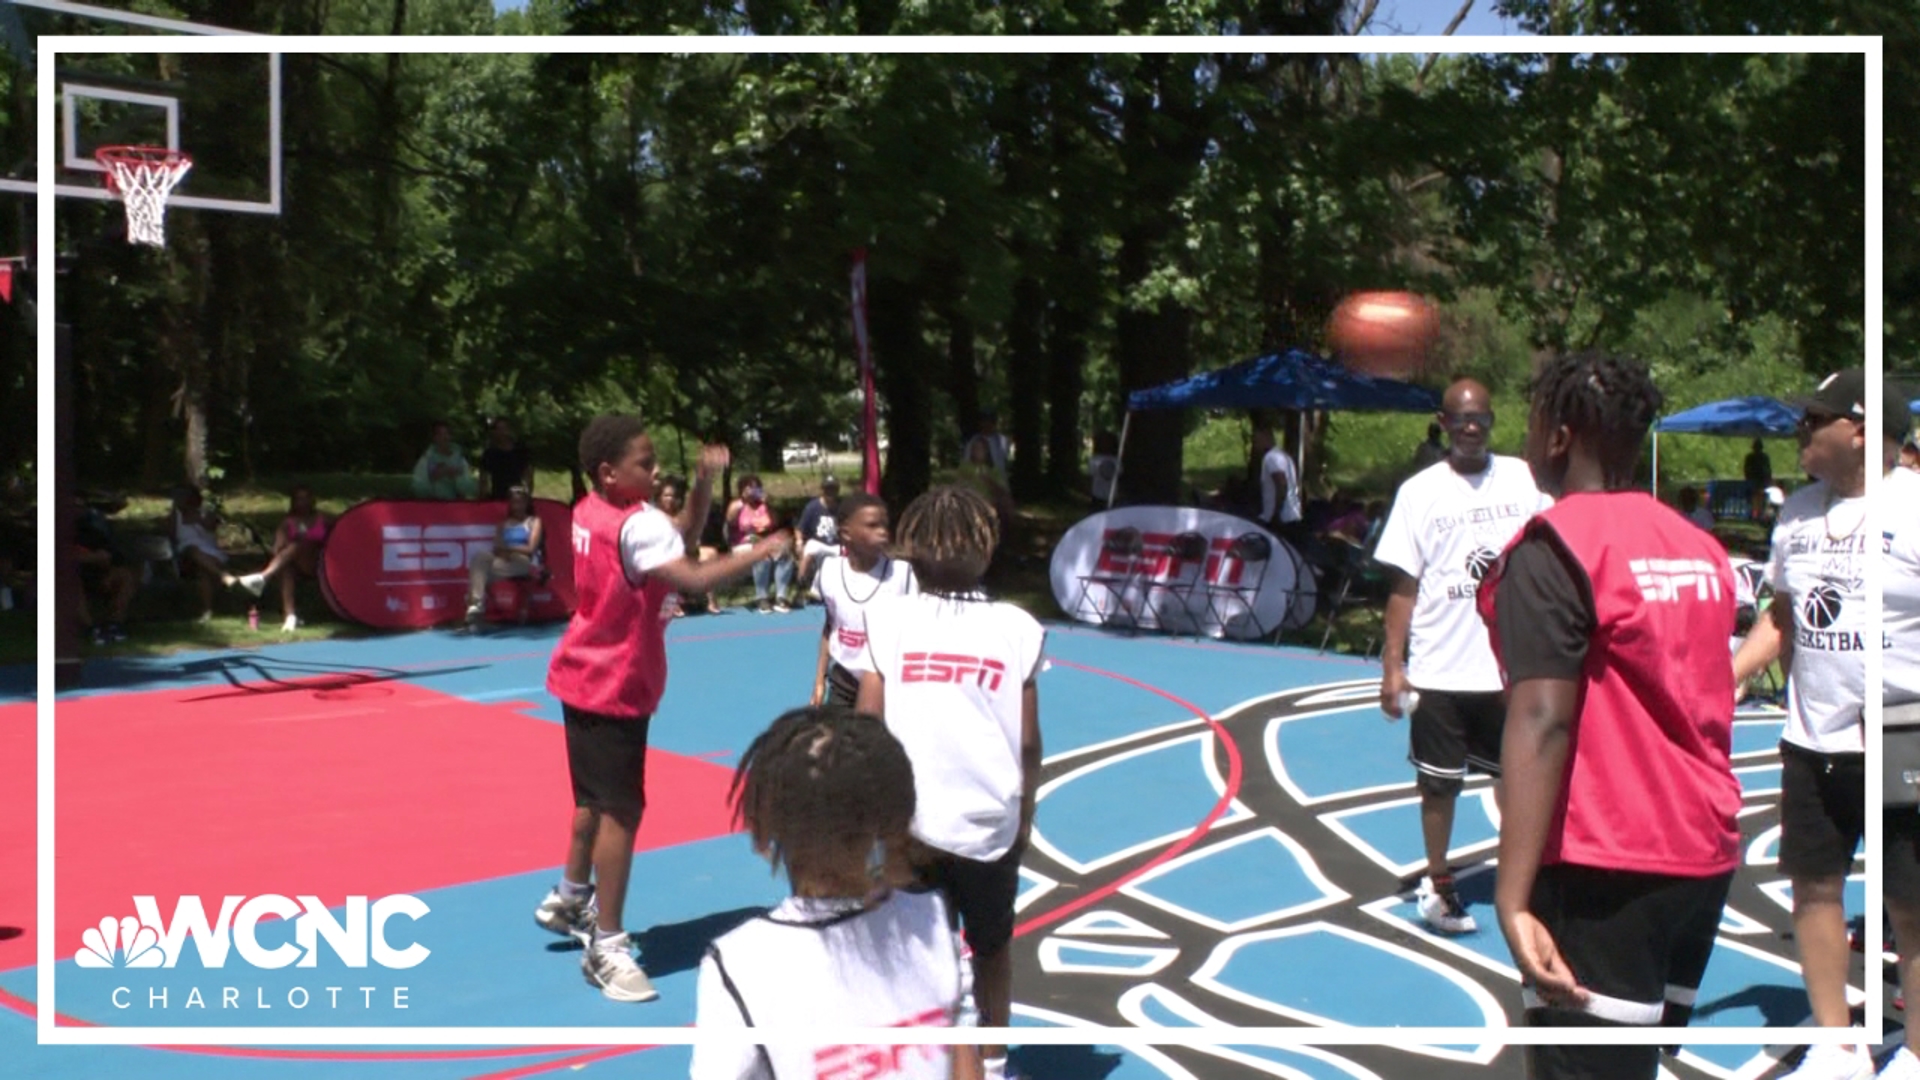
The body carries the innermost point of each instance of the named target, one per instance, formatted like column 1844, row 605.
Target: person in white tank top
column 828, row 794
column 859, row 574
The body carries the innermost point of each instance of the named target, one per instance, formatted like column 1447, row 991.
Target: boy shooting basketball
column 954, row 675
column 610, row 670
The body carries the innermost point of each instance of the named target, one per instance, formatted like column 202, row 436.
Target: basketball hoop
column 142, row 176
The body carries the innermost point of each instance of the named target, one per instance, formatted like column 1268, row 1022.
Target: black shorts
column 1639, row 943
column 607, row 759
column 843, row 686
column 1900, row 869
column 1823, row 811
column 1452, row 732
column 980, row 895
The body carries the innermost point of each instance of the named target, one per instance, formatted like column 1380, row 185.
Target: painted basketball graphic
column 1480, row 562
column 1821, row 609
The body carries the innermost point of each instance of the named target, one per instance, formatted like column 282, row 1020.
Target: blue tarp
column 1291, row 380
column 1747, row 417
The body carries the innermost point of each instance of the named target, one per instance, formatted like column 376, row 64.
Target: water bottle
column 253, row 618
column 1409, row 701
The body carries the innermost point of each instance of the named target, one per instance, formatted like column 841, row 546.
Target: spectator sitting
column 670, row 495
column 517, row 553
column 104, row 573
column 506, row 463
column 818, row 535
column 1691, row 509
column 198, row 551
column 296, row 551
column 749, row 520
column 442, row 471
column 1910, row 455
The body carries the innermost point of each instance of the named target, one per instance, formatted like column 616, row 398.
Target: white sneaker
column 1901, row 1066
column 1442, row 909
column 254, row 583
column 1833, row 1063
column 569, row 918
column 609, row 965
column 289, row 626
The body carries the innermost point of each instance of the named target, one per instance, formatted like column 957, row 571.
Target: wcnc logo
column 362, row 935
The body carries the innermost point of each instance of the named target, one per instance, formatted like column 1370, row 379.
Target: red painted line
column 574, row 1062
column 1173, row 850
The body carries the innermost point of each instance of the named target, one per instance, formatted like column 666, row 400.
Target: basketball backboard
column 222, row 109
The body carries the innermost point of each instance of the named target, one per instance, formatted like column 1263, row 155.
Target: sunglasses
column 1457, row 421
column 1815, row 420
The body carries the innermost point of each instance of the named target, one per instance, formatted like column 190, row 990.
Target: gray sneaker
column 569, row 918
column 609, row 965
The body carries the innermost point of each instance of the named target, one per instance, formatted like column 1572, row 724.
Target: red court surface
column 217, row 790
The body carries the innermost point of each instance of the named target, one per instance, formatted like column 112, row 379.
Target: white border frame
column 49, row 47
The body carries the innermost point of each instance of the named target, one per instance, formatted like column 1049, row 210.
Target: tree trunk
column 963, row 378
column 900, row 364
column 1026, row 385
column 1066, row 362
column 1151, row 348
column 773, row 449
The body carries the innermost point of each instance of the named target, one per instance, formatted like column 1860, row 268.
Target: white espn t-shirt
column 846, row 592
column 649, row 540
column 830, row 964
column 1446, row 530
column 1900, row 587
column 1818, row 564
column 955, row 670
column 1279, row 461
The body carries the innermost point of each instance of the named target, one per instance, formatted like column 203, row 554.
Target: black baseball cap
column 1844, row 393
column 828, row 483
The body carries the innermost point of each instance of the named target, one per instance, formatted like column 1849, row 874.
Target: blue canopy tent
column 1744, row 418
column 1294, row 379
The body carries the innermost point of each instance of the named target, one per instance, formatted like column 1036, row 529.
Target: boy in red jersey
column 1610, row 615
column 610, row 670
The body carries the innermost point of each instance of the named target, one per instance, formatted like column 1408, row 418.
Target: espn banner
column 402, row 563
column 1217, row 596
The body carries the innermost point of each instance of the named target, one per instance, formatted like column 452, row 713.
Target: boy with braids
column 953, row 674
column 857, row 576
column 827, row 794
column 610, row 670
column 1610, row 615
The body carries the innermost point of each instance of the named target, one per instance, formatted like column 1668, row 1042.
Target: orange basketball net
column 143, row 176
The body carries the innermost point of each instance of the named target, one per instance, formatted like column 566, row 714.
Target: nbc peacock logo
column 123, row 942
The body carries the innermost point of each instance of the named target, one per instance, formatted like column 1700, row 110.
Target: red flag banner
column 6, row 282
column 869, row 419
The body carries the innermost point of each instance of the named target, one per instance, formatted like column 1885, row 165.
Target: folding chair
column 1186, row 561
column 1123, row 553
column 1241, row 573
column 1356, row 569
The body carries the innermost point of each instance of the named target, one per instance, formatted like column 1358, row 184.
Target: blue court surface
column 1228, row 835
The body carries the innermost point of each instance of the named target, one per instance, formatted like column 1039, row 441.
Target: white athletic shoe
column 1901, row 1066
column 609, row 965
column 1833, row 1063
column 290, row 625
column 254, row 583
column 1442, row 909
column 569, row 918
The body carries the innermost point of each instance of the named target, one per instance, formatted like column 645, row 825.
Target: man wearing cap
column 1817, row 625
column 819, row 533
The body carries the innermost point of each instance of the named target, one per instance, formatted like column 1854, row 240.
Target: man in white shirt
column 1279, row 484
column 1449, row 522
column 1818, row 621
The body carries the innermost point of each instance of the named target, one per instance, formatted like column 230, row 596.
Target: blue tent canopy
column 1294, row 379
column 1746, row 417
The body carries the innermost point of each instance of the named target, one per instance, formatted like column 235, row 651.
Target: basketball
column 1385, row 334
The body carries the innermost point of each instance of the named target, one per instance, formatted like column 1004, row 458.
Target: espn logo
column 852, row 639
column 414, row 549
column 875, row 1062
column 954, row 668
column 1157, row 563
column 1667, row 581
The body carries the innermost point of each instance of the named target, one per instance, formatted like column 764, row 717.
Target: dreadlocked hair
column 948, row 535
column 821, row 786
column 605, row 441
column 1608, row 401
